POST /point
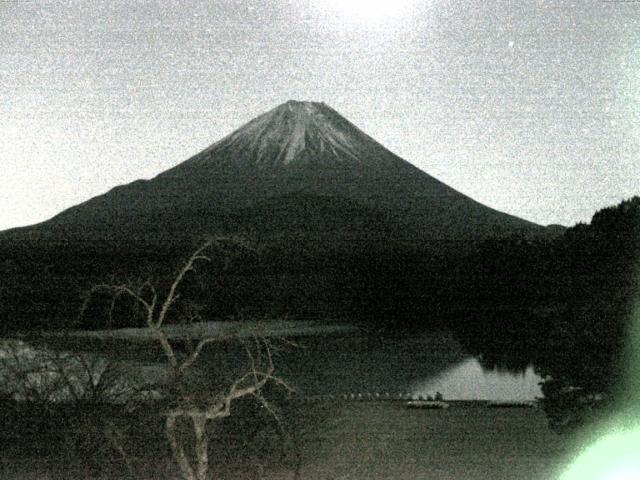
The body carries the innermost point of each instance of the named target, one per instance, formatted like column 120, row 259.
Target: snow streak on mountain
column 294, row 133
column 294, row 128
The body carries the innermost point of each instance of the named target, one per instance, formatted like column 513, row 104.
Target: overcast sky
column 529, row 106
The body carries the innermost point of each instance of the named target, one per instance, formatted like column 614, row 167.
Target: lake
column 324, row 360
column 420, row 365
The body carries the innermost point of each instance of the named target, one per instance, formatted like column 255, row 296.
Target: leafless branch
column 172, row 296
column 191, row 359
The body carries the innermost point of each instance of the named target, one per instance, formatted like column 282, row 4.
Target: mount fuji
column 300, row 180
column 298, row 153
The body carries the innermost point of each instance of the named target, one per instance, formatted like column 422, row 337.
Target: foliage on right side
column 563, row 305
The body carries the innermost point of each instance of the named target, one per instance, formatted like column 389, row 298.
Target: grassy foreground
column 385, row 440
column 338, row 440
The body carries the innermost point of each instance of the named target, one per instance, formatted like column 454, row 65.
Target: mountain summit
column 295, row 133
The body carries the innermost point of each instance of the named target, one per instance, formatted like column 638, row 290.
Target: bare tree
column 197, row 408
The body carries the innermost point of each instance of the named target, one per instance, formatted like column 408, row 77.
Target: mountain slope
column 297, row 148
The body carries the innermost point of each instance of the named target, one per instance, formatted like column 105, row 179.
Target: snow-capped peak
column 298, row 132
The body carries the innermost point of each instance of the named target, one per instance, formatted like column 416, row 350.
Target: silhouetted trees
column 562, row 304
column 584, row 351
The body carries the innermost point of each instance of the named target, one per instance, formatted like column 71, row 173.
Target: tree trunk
column 202, row 446
column 178, row 451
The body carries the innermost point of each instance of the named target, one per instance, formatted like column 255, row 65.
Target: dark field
column 331, row 440
column 387, row 440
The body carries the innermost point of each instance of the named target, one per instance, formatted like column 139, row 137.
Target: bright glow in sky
column 368, row 11
column 529, row 107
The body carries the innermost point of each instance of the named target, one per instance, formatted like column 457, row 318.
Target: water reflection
column 337, row 364
column 469, row 381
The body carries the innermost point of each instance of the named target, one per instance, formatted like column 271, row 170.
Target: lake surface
column 332, row 360
column 418, row 365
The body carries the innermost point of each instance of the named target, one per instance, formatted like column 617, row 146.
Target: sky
column 528, row 106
